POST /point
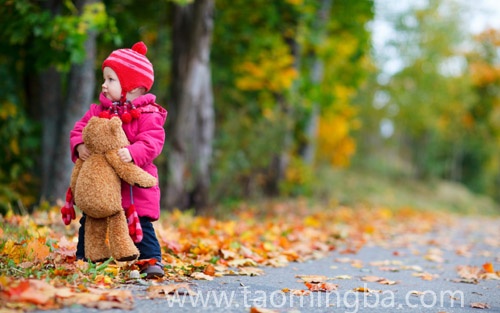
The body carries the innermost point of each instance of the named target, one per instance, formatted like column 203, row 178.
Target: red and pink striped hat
column 132, row 67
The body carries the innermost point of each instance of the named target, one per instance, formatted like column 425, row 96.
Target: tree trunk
column 281, row 159
column 81, row 85
column 50, row 101
column 191, row 110
column 309, row 148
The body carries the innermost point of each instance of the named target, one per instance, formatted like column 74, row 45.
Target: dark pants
column 148, row 247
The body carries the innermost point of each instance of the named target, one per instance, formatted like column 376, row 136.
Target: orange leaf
column 321, row 286
column 329, row 286
column 39, row 250
column 488, row 267
column 209, row 270
column 32, row 291
column 313, row 286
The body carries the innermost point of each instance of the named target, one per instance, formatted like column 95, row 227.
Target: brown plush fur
column 96, row 189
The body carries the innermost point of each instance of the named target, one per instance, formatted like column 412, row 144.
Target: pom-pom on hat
column 132, row 67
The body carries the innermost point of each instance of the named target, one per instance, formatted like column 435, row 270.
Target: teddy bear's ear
column 93, row 119
column 115, row 126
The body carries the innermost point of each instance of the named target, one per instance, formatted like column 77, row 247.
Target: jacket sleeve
column 76, row 135
column 150, row 139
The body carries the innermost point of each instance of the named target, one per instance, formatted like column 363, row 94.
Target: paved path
column 435, row 255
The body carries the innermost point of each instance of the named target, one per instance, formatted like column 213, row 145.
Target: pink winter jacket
column 146, row 136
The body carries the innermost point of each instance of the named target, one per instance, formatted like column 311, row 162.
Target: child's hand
column 83, row 151
column 124, row 155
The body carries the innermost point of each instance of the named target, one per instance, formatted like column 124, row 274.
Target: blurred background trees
column 264, row 99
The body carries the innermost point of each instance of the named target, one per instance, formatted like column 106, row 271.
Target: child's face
column 111, row 87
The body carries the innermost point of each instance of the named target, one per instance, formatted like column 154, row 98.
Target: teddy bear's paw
column 143, row 186
column 146, row 182
column 128, row 258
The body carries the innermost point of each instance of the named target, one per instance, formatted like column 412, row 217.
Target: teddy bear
column 96, row 189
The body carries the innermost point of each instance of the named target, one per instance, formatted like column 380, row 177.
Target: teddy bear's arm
column 75, row 173
column 130, row 172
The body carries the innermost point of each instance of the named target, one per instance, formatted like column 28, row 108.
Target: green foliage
column 242, row 154
column 33, row 39
column 53, row 40
column 18, row 182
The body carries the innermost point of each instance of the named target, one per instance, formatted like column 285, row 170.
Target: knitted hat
column 132, row 67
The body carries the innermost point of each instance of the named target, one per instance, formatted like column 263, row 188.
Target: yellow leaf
column 112, row 270
column 14, row 251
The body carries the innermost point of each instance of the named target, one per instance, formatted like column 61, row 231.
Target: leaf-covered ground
column 38, row 269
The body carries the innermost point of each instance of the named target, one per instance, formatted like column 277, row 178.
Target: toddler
column 128, row 75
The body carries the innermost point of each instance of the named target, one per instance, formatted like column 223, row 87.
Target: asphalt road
column 477, row 239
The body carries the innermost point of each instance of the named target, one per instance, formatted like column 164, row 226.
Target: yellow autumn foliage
column 8, row 109
column 334, row 141
column 272, row 70
column 295, row 2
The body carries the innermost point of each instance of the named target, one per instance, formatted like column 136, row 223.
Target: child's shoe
column 153, row 270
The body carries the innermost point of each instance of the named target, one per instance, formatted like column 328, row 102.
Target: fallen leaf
column 321, row 286
column 434, row 255
column 298, row 292
column 200, row 275
column 385, row 263
column 37, row 249
column 312, row 278
column 388, row 282
column 114, row 299
column 415, row 268
column 425, row 276
column 343, row 260
column 160, row 291
column 329, row 286
column 228, row 254
column 32, row 291
column 371, row 278
column 389, row 269
column 488, row 267
column 466, row 281
column 343, row 277
column 242, row 262
column 363, row 289
column 250, row 271
column 479, row 305
column 262, row 310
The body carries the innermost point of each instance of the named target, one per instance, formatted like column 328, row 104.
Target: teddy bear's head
column 102, row 134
